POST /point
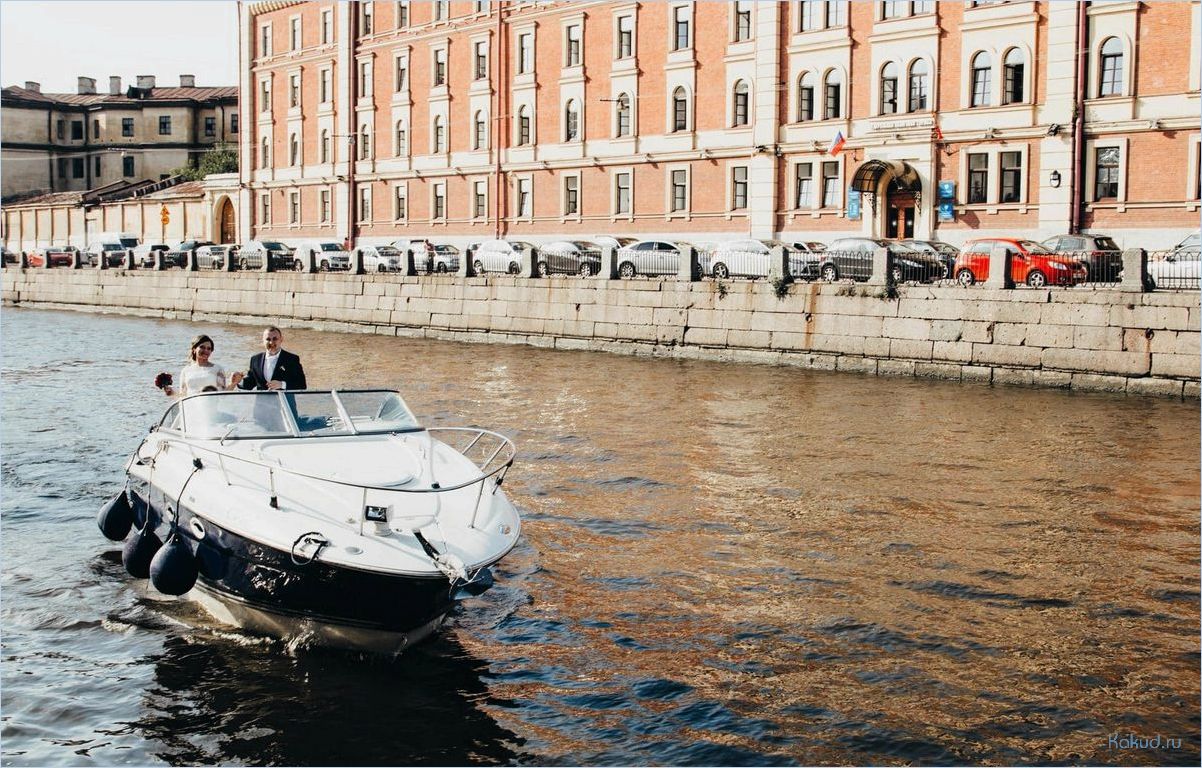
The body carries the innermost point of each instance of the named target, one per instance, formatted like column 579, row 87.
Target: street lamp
column 1054, row 179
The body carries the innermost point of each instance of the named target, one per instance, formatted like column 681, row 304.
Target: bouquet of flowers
column 163, row 380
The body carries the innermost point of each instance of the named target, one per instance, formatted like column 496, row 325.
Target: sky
column 53, row 42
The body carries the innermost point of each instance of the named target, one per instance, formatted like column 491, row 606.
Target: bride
column 201, row 375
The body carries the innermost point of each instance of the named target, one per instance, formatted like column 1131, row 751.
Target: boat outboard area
column 331, row 513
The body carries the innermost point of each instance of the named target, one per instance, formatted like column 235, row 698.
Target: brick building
column 72, row 142
column 466, row 120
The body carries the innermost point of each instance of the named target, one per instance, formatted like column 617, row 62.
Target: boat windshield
column 309, row 413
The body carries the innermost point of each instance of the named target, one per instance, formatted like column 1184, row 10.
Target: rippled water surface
column 720, row 564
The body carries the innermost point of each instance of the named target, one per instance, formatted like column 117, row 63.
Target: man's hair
column 271, row 328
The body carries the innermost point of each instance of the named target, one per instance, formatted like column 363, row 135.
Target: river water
column 720, row 565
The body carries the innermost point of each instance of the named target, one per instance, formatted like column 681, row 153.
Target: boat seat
column 362, row 462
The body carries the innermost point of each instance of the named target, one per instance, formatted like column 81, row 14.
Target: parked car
column 58, row 256
column 381, row 258
column 1180, row 268
column 327, row 255
column 144, row 255
column 805, row 256
column 569, row 257
column 650, row 257
column 446, row 258
column 500, row 256
column 851, row 257
column 422, row 250
column 251, row 255
column 1030, row 263
column 215, row 256
column 603, row 241
column 113, row 254
column 945, row 252
column 1102, row 257
column 8, row 256
column 741, row 258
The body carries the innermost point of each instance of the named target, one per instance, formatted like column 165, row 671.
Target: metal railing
column 1173, row 270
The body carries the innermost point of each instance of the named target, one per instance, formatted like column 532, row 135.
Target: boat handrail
column 506, row 462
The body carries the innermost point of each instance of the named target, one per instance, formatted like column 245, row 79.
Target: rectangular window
column 525, row 53
column 365, row 18
column 440, row 10
column 680, row 190
column 803, row 195
column 738, row 188
column 811, row 15
column 918, row 88
column 77, row 130
column 294, row 91
column 978, row 177
column 573, row 48
column 164, row 125
column 402, row 14
column 127, row 166
column 1106, row 173
column 95, row 129
column 982, row 81
column 440, row 201
column 481, row 6
column 1012, row 85
column 323, row 86
column 265, row 208
column 625, row 37
column 480, row 61
column 265, row 40
column 77, row 167
column 480, row 199
column 60, row 129
column 742, row 20
column 680, row 28
column 523, row 200
column 440, row 66
column 894, row 9
column 1012, row 174
column 294, row 35
column 922, row 6
column 62, row 167
column 325, row 206
column 210, row 126
column 571, row 195
column 264, row 95
column 127, row 126
column 234, row 123
column 888, row 95
column 805, row 102
column 836, row 13
column 831, row 193
column 833, row 95
column 294, row 207
column 622, row 193
column 96, row 166
column 1112, row 73
column 327, row 27
column 365, row 204
column 400, row 207
column 364, row 79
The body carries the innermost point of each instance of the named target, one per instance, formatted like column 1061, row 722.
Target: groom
column 275, row 368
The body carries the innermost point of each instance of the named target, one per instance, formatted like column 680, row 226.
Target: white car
column 742, row 258
column 500, row 256
column 215, row 256
column 1180, row 267
column 650, row 257
column 381, row 258
column 327, row 255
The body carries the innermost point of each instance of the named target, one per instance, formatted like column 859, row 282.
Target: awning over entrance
column 868, row 176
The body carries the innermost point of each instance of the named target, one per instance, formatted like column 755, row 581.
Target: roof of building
column 199, row 93
column 182, row 189
column 45, row 199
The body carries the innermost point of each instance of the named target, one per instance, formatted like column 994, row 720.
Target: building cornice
column 267, row 6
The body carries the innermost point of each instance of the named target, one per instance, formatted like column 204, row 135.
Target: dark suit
column 288, row 369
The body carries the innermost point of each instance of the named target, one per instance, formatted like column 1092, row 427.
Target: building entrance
column 899, row 216
column 226, row 217
column 893, row 191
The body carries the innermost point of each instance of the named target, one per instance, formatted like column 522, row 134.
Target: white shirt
column 194, row 378
column 269, row 363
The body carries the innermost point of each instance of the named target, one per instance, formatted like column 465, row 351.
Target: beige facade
column 86, row 140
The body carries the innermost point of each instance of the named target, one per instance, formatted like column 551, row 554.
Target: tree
column 222, row 159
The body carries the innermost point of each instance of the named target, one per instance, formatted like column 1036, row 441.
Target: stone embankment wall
column 1141, row 343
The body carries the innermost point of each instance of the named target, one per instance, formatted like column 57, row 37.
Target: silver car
column 569, row 257
column 500, row 256
column 650, row 257
column 381, row 258
column 214, row 256
column 741, row 258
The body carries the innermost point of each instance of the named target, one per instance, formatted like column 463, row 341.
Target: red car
column 59, row 257
column 1030, row 263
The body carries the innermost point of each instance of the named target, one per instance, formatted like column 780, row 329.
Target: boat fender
column 116, row 517
column 139, row 549
column 173, row 568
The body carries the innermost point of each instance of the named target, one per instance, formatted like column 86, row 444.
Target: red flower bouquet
column 163, row 380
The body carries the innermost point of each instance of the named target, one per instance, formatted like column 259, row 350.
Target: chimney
column 32, row 86
column 187, row 81
column 86, row 85
column 114, row 85
column 145, row 81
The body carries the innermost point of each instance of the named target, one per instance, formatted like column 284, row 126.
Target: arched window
column 324, row 146
column 1012, row 77
column 265, row 153
column 293, row 150
column 571, row 121
column 805, row 97
column 401, row 139
column 680, row 110
column 919, row 83
column 1111, row 69
column 889, row 89
column 439, row 136
column 623, row 116
column 523, row 137
column 479, row 130
column 982, row 80
column 742, row 104
column 364, row 141
column 832, row 95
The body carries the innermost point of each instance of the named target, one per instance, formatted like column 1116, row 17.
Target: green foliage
column 722, row 290
column 780, row 286
column 222, row 159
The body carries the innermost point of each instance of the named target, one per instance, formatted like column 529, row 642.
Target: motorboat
column 330, row 516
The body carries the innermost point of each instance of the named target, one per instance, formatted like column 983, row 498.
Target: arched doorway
column 226, row 227
column 894, row 190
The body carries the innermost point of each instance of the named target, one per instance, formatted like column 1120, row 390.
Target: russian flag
column 836, row 144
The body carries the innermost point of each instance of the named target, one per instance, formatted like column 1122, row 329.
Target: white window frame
column 564, row 213
column 295, row 33
column 736, row 8
column 578, row 25
column 1091, row 169
column 294, row 208
column 265, row 209
column 265, row 40
column 673, row 11
column 326, row 26
column 435, row 53
column 477, row 184
column 523, row 183
column 795, row 183
column 614, row 213
column 400, row 202
column 634, row 45
column 439, row 190
column 325, row 205
column 670, row 192
column 325, row 82
column 993, row 173
column 731, row 185
column 365, row 196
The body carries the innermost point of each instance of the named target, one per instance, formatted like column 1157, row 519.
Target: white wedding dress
column 194, row 378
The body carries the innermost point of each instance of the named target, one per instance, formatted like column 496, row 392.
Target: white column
column 761, row 175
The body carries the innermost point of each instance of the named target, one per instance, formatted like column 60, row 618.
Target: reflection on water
column 720, row 565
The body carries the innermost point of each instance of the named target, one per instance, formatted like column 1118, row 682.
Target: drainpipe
column 1076, row 194
column 501, row 121
column 351, row 228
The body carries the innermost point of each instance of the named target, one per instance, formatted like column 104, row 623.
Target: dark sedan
column 945, row 252
column 851, row 258
column 1102, row 257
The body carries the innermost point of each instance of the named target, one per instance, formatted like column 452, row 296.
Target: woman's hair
column 196, row 342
